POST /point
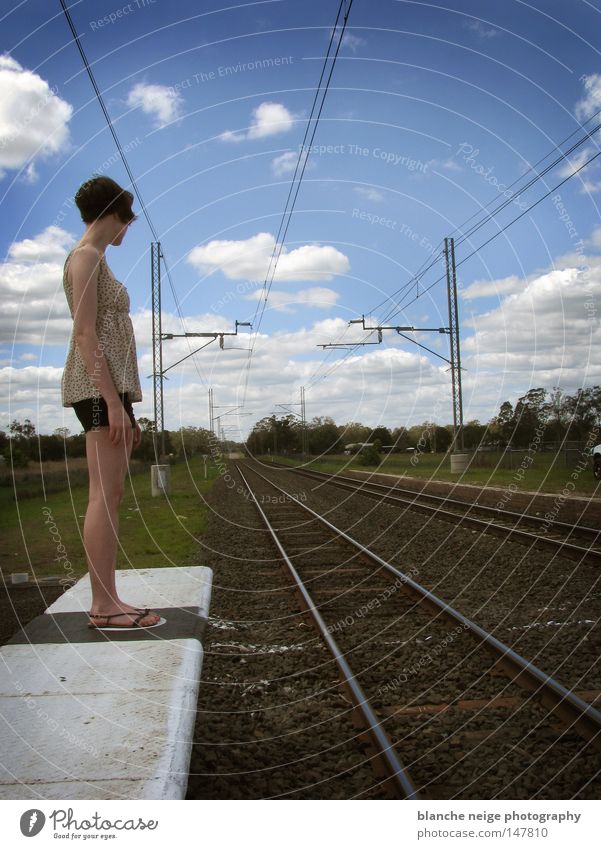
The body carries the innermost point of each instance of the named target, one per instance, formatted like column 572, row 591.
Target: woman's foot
column 116, row 621
column 124, row 614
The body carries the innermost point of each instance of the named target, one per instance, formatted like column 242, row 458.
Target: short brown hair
column 101, row 196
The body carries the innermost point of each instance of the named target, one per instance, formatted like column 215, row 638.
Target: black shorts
column 93, row 412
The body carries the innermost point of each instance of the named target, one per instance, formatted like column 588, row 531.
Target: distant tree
column 473, row 434
column 370, row 456
column 353, row 432
column 382, row 434
column 501, row 425
column 441, row 439
column 191, row 440
column 583, row 410
column 400, row 438
column 557, row 411
column 21, row 430
column 323, row 436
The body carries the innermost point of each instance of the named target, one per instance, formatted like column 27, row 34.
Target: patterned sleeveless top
column 115, row 340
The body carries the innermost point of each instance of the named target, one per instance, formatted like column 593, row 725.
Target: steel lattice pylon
column 157, row 349
column 449, row 251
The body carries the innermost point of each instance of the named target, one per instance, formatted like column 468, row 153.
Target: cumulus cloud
column 286, row 163
column 34, row 309
column 588, row 174
column 250, row 259
column 591, row 101
column 315, row 298
column 488, row 288
column 162, row 103
column 33, row 118
column 349, row 39
column 268, row 119
column 548, row 330
column 480, row 29
column 369, row 193
column 447, row 164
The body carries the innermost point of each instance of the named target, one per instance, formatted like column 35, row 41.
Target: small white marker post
column 160, row 480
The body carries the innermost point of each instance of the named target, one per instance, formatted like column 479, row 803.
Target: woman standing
column 100, row 381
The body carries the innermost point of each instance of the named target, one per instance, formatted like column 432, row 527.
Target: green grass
column 548, row 473
column 161, row 531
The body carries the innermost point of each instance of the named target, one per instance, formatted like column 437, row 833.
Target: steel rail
column 384, row 747
column 363, row 488
column 583, row 717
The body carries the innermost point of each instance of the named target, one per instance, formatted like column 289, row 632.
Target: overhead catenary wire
column 507, row 201
column 437, row 252
column 263, row 297
column 132, row 179
column 489, row 216
column 339, row 362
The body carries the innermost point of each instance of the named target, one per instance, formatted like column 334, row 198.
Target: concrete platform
column 86, row 714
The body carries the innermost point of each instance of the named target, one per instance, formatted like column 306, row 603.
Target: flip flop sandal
column 135, row 625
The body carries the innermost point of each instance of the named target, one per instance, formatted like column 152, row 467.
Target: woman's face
column 120, row 230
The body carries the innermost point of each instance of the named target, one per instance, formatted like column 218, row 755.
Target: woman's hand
column 137, row 435
column 120, row 428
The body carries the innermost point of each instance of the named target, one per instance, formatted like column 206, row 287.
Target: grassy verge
column 44, row 536
column 548, row 472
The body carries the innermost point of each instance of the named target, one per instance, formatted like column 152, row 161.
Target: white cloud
column 591, row 101
column 480, row 29
column 286, row 163
column 268, row 119
column 575, row 162
column 447, row 164
column 33, row 119
column 250, row 259
column 162, row 103
column 488, row 288
column 34, row 309
column 315, row 298
column 547, row 332
column 348, row 39
column 369, row 193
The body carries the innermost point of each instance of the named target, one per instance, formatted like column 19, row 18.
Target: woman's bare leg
column 107, row 467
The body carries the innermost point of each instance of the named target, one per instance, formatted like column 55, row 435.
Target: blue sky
column 433, row 110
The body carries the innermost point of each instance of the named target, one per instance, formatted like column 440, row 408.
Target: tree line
column 20, row 444
column 551, row 417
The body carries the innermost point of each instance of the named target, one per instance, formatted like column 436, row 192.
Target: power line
column 494, row 236
column 126, row 164
column 421, row 273
column 262, row 300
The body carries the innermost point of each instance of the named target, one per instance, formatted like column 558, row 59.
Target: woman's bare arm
column 83, row 271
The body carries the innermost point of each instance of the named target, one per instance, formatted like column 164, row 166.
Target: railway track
column 423, row 678
column 579, row 542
